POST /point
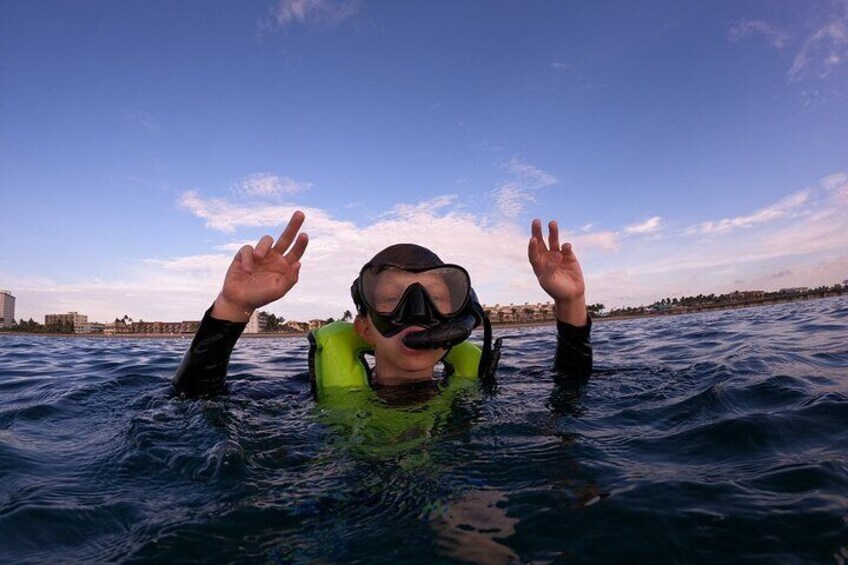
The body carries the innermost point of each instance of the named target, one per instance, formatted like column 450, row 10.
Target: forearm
column 574, row 350
column 203, row 370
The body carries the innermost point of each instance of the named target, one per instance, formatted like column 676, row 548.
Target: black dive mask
column 438, row 298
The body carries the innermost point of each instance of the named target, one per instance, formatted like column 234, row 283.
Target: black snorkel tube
column 448, row 331
column 444, row 335
column 458, row 329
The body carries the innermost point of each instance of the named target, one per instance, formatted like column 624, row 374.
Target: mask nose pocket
column 417, row 306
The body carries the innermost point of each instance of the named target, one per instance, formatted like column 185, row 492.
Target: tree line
column 31, row 326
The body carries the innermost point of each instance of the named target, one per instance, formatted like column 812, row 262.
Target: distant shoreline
column 595, row 319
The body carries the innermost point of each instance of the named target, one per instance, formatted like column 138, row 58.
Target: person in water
column 413, row 312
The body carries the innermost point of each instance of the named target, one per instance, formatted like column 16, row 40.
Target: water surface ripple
column 702, row 438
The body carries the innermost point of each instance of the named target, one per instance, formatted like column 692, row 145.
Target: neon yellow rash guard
column 367, row 423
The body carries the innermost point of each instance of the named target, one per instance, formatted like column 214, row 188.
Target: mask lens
column 447, row 287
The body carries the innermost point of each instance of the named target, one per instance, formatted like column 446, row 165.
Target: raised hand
column 260, row 275
column 558, row 272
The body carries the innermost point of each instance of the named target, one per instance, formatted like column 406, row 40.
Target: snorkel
column 449, row 332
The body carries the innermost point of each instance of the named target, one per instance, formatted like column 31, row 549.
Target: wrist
column 223, row 309
column 572, row 311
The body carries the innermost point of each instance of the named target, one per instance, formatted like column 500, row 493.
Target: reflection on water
column 701, row 438
column 473, row 527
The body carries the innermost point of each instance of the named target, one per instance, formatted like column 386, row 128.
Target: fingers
column 245, row 257
column 263, row 246
column 297, row 250
column 536, row 233
column 536, row 246
column 289, row 233
column 553, row 235
column 533, row 251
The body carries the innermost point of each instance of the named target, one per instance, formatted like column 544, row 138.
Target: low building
column 295, row 326
column 116, row 327
column 795, row 290
column 539, row 312
column 315, row 324
column 77, row 320
column 7, row 309
column 741, row 295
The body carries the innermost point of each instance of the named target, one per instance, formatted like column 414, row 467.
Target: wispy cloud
column 511, row 199
column 227, row 216
column 142, row 119
column 758, row 28
column 268, row 184
column 825, row 49
column 422, row 209
column 770, row 213
column 318, row 13
column 528, row 175
column 837, row 182
column 651, row 225
column 837, row 187
column 513, row 195
column 820, row 52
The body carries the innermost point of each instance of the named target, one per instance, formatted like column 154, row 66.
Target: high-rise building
column 7, row 309
column 258, row 323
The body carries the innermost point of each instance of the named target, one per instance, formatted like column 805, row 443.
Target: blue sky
column 684, row 147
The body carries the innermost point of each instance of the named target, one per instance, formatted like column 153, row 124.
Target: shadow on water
column 702, row 438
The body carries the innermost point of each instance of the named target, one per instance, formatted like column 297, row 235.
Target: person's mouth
column 405, row 332
column 410, row 330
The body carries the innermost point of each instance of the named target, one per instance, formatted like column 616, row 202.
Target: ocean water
column 708, row 438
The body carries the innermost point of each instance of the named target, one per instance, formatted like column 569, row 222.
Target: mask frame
column 415, row 306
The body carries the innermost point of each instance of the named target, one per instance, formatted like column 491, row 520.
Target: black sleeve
column 574, row 351
column 203, row 370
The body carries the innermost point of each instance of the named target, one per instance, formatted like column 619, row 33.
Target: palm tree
column 595, row 308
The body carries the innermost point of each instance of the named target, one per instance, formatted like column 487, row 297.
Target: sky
column 683, row 147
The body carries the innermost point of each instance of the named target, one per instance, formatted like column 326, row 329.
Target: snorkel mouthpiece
column 442, row 336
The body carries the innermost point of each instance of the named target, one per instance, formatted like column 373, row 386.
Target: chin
column 413, row 365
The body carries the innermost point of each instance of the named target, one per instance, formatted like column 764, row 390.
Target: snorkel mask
column 408, row 285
